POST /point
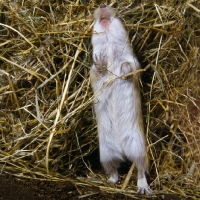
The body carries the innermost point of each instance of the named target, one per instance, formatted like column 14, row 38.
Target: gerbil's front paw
column 143, row 187
column 100, row 63
column 126, row 71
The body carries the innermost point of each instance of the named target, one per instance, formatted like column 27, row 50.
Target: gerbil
column 117, row 104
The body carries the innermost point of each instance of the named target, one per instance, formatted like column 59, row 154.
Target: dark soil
column 13, row 188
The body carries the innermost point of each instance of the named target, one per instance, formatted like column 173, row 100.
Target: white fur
column 143, row 186
column 117, row 105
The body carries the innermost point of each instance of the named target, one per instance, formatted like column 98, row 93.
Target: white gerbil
column 117, row 104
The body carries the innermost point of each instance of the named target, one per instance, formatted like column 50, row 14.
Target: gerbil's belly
column 118, row 100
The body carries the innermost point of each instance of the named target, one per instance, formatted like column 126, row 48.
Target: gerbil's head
column 104, row 14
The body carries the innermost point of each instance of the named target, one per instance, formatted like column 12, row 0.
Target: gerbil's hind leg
column 136, row 154
column 110, row 158
column 142, row 184
column 111, row 169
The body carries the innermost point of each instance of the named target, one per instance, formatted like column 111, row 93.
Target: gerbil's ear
column 96, row 13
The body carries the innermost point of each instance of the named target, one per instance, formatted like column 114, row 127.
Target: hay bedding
column 47, row 126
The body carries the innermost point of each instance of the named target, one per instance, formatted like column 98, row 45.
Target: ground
column 13, row 188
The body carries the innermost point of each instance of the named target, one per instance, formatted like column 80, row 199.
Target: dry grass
column 47, row 126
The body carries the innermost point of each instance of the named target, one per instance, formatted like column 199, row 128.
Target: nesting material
column 47, row 126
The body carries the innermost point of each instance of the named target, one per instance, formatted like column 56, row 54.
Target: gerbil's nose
column 102, row 5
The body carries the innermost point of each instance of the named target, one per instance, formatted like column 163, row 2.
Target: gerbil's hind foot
column 142, row 184
column 143, row 187
column 113, row 178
